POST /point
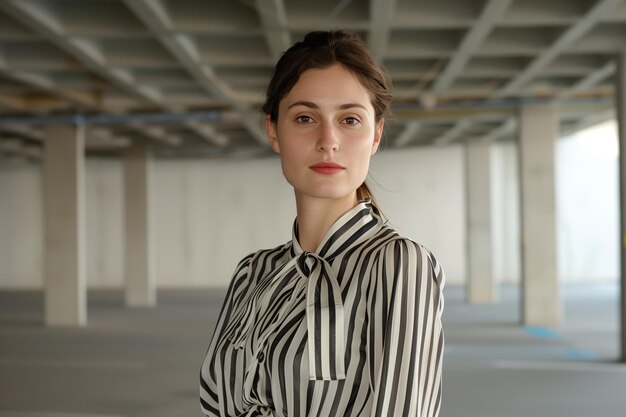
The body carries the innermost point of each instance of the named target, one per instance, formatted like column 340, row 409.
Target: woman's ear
column 270, row 129
column 378, row 135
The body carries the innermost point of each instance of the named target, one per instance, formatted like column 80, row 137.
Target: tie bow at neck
column 353, row 227
column 308, row 261
column 324, row 303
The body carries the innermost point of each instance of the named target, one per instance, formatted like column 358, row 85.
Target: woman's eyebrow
column 304, row 103
column 312, row 105
column 351, row 105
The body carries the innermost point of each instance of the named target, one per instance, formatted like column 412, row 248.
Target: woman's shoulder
column 276, row 251
column 256, row 262
column 390, row 238
column 393, row 246
column 398, row 246
column 254, row 265
column 264, row 252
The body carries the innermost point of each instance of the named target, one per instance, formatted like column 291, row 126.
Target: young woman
column 345, row 319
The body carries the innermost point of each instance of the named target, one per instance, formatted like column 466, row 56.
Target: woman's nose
column 328, row 140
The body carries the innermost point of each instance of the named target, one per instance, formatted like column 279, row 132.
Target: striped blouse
column 352, row 329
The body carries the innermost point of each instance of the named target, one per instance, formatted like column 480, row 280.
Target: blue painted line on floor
column 580, row 354
column 547, row 333
column 542, row 332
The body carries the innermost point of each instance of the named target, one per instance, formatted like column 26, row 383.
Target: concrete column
column 620, row 97
column 139, row 265
column 64, row 227
column 481, row 286
column 539, row 128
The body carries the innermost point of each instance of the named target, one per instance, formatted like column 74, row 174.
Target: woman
column 344, row 319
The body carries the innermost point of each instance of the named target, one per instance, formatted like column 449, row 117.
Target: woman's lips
column 327, row 168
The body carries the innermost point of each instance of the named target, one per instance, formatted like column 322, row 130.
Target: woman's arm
column 406, row 336
column 209, row 401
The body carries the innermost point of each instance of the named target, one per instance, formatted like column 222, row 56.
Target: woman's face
column 326, row 117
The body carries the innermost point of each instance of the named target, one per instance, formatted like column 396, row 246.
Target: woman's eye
column 304, row 119
column 351, row 120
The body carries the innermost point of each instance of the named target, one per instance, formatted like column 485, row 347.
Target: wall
column 422, row 192
column 588, row 205
column 21, row 225
column 211, row 213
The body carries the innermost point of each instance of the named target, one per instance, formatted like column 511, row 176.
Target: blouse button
column 260, row 356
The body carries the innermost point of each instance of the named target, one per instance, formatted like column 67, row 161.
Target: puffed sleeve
column 209, row 401
column 405, row 337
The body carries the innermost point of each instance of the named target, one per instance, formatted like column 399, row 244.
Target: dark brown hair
column 321, row 50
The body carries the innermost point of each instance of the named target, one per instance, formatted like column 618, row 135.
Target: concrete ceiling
column 188, row 76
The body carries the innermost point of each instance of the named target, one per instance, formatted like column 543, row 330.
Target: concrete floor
column 144, row 362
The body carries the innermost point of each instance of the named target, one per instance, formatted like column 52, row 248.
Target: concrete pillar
column 139, row 265
column 65, row 284
column 539, row 128
column 620, row 97
column 481, row 286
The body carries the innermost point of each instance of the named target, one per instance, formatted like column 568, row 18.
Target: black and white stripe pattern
column 351, row 329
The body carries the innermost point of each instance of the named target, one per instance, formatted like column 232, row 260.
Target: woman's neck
column 316, row 215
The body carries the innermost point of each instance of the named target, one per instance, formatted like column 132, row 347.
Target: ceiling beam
column 98, row 137
column 157, row 134
column 274, row 20
column 474, row 38
column 588, row 121
column 453, row 133
column 408, row 134
column 92, row 57
column 592, row 79
column 11, row 145
column 381, row 18
column 207, row 132
column 18, row 148
column 184, row 49
column 50, row 87
column 152, row 132
column 505, row 129
column 87, row 53
column 44, row 83
column 599, row 11
column 253, row 122
column 38, row 81
column 32, row 151
column 13, row 103
column 21, row 130
column 158, row 21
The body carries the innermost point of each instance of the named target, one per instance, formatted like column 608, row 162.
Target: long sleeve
column 405, row 338
column 209, row 400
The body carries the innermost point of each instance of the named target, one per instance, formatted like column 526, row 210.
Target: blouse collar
column 324, row 303
column 352, row 228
